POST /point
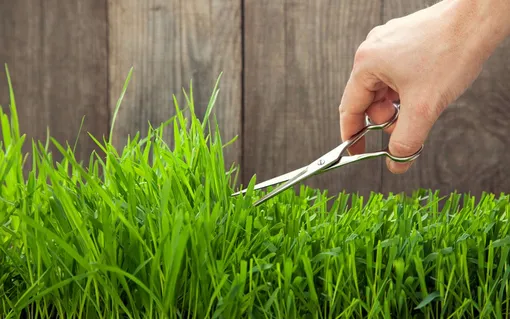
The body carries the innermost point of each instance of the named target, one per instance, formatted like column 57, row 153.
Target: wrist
column 486, row 22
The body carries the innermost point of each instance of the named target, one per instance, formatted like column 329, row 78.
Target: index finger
column 355, row 101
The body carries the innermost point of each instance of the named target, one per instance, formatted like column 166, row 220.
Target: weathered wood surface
column 284, row 62
column 57, row 57
column 169, row 43
column 298, row 57
column 468, row 149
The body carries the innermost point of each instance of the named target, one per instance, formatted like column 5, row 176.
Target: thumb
column 411, row 130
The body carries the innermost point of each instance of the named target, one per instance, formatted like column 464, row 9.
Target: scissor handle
column 372, row 126
column 364, row 156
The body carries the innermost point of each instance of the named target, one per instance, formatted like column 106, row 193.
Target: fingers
column 381, row 111
column 358, row 96
column 410, row 132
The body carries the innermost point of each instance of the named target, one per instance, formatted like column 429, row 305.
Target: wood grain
column 468, row 148
column 57, row 57
column 169, row 44
column 298, row 57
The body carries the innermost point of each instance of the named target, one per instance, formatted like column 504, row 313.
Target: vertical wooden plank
column 264, row 138
column 57, row 55
column 170, row 43
column 298, row 57
column 468, row 147
column 211, row 33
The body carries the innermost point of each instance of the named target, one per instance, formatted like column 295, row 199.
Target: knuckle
column 376, row 30
column 392, row 22
column 368, row 55
column 342, row 110
column 363, row 52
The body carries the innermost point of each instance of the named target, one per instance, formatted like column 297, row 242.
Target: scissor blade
column 316, row 168
column 291, row 182
column 273, row 181
column 355, row 158
column 320, row 165
column 296, row 176
column 312, row 169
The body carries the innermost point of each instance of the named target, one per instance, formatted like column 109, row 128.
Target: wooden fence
column 284, row 64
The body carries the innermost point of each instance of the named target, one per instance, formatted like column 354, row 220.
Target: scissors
column 332, row 160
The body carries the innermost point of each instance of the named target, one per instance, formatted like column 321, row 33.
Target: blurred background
column 284, row 64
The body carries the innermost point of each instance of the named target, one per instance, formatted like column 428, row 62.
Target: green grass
column 151, row 231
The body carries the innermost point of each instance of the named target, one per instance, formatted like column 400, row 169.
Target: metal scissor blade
column 317, row 166
column 309, row 172
column 324, row 161
column 273, row 181
column 291, row 182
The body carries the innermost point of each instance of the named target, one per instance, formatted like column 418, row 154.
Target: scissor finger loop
column 403, row 159
column 373, row 126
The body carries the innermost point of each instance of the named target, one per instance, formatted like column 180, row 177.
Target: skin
column 426, row 60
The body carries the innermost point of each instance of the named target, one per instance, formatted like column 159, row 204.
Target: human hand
column 426, row 60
